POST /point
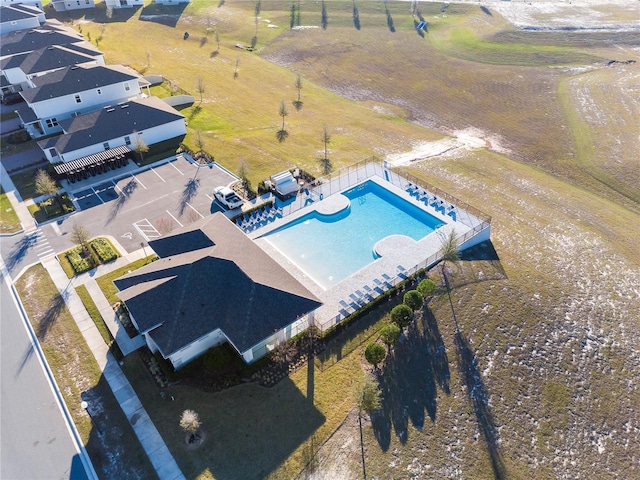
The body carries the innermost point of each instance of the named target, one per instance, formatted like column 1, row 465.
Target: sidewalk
column 151, row 441
column 27, row 221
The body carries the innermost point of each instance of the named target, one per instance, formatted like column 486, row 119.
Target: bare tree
column 165, row 225
column 199, row 141
column 140, row 147
column 298, row 85
column 235, row 72
column 190, row 424
column 368, row 399
column 200, row 88
column 80, row 236
column 45, row 185
column 325, row 162
column 282, row 133
column 218, row 40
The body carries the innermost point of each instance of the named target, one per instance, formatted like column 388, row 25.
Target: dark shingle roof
column 111, row 122
column 233, row 286
column 75, row 79
column 51, row 58
column 24, row 41
column 13, row 14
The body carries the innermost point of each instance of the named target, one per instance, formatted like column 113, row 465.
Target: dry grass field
column 533, row 372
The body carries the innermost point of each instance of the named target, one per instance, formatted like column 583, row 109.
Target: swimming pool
column 329, row 248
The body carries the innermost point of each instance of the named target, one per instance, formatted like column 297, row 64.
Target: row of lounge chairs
column 255, row 219
column 366, row 294
column 431, row 199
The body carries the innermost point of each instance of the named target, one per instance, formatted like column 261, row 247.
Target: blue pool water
column 329, row 248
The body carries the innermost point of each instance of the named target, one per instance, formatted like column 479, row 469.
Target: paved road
column 35, row 442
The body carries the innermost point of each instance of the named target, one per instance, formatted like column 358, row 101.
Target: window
column 76, row 114
column 127, row 87
column 127, row 140
column 52, row 122
column 99, row 92
column 78, row 99
column 53, row 153
column 106, row 145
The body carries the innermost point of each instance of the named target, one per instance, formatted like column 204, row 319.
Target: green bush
column 413, row 299
column 374, row 353
column 80, row 260
column 389, row 334
column 426, row 287
column 401, row 315
column 104, row 250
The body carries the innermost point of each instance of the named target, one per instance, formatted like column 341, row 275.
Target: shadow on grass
column 477, row 392
column 409, row 381
column 390, row 24
column 356, row 16
column 128, row 190
column 325, row 16
column 49, row 316
column 478, row 264
column 190, row 190
column 167, row 15
column 282, row 135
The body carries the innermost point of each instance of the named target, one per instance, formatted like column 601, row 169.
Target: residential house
column 211, row 285
column 124, row 3
column 21, row 68
column 171, row 2
column 64, row 5
column 36, row 3
column 123, row 125
column 72, row 91
column 50, row 33
column 20, row 17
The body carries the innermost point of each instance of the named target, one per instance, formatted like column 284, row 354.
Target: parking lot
column 140, row 205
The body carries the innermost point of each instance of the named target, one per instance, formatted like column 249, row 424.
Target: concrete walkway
column 151, row 441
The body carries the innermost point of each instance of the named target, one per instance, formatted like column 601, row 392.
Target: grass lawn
column 52, row 207
column 79, row 378
column 94, row 313
column 9, row 221
column 25, row 182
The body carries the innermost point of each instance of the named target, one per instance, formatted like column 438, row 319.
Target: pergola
column 94, row 164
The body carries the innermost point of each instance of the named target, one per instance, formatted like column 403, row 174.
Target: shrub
column 104, row 250
column 389, row 334
column 427, row 287
column 413, row 299
column 374, row 353
column 80, row 260
column 401, row 315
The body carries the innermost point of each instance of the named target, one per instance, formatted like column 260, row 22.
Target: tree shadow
column 127, row 191
column 409, row 381
column 297, row 104
column 485, row 10
column 19, row 250
column 51, row 314
column 478, row 264
column 190, row 190
column 477, row 392
column 356, row 17
column 282, row 135
column 325, row 18
column 325, row 165
column 195, row 112
column 214, row 54
column 390, row 24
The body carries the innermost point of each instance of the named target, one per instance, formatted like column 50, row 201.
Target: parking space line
column 191, row 207
column 146, row 229
column 171, row 163
column 97, row 195
column 177, row 221
column 154, row 171
column 115, row 185
column 138, row 180
column 207, row 195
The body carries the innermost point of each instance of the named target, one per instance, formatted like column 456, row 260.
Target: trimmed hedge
column 99, row 251
column 103, row 248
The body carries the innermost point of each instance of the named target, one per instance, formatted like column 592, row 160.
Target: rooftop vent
column 125, row 105
column 111, row 109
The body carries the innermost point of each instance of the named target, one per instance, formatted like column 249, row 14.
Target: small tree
column 427, row 287
column 326, row 140
column 190, row 424
column 200, row 88
column 389, row 334
column 282, row 133
column 401, row 315
column 218, row 40
column 449, row 252
column 413, row 299
column 298, row 85
column 80, row 236
column 140, row 147
column 374, row 353
column 368, row 399
column 199, row 141
column 45, row 185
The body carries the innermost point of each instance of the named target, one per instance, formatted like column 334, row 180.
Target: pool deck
column 399, row 256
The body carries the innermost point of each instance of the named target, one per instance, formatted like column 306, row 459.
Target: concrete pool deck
column 400, row 256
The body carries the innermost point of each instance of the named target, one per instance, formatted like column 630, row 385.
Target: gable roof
column 14, row 13
column 51, row 33
column 51, row 58
column 107, row 123
column 232, row 285
column 74, row 79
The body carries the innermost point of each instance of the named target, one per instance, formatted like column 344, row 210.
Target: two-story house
column 20, row 17
column 20, row 69
column 73, row 91
column 118, row 127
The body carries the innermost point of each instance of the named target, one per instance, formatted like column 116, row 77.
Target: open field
column 543, row 131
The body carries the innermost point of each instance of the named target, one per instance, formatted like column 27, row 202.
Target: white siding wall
column 197, row 348
column 151, row 136
column 63, row 107
column 22, row 24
